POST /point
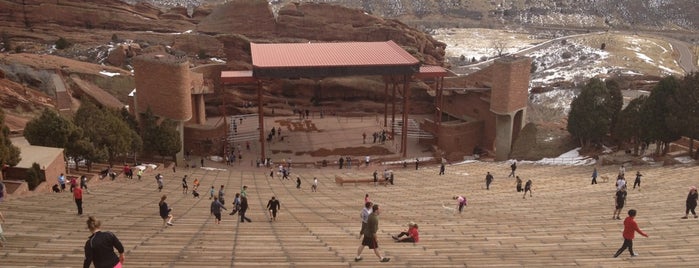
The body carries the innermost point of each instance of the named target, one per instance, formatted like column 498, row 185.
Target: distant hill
column 618, row 14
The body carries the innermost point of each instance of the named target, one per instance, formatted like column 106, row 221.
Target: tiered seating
column 567, row 221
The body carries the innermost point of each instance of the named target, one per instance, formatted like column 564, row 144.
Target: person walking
column 211, row 192
column 236, row 204
column 73, row 183
column 244, row 209
column 594, row 176
column 216, row 207
column 488, row 180
column 620, row 182
column 83, row 183
column 273, row 206
column 244, row 191
column 527, row 188
column 518, row 184
column 376, row 178
column 630, row 229
column 441, row 169
column 139, row 173
column 637, row 181
column 185, row 187
column 370, row 239
column 195, row 184
column 298, row 182
column 622, row 170
column 691, row 203
column 366, row 211
column 78, row 197
column 417, row 163
column 513, row 167
column 165, row 211
column 62, row 182
column 314, row 187
column 221, row 194
column 620, row 199
column 159, row 180
column 99, row 247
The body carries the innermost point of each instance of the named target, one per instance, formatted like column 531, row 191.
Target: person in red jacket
column 630, row 229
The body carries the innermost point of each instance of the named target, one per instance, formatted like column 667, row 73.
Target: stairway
column 567, row 221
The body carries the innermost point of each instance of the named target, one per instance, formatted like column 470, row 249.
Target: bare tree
column 499, row 46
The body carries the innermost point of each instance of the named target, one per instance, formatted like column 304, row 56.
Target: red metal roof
column 292, row 55
column 237, row 77
column 431, row 71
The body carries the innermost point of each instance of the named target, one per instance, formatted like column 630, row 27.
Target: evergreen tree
column 9, row 154
column 655, row 114
column 35, row 176
column 105, row 129
column 49, row 129
column 616, row 101
column 683, row 106
column 591, row 113
column 629, row 129
column 162, row 139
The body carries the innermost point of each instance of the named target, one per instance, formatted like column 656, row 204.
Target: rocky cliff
column 107, row 32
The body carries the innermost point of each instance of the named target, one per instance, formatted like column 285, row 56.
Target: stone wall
column 510, row 89
column 202, row 140
column 163, row 83
column 457, row 139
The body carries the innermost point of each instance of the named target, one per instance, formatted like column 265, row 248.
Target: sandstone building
column 483, row 111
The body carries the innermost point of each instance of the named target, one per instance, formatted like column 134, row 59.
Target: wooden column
column 406, row 108
column 393, row 112
column 261, row 117
column 385, row 103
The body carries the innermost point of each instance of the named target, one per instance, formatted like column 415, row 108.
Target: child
column 211, row 192
column 195, row 193
column 630, row 228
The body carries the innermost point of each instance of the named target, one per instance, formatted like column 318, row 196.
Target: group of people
column 100, row 245
column 387, row 177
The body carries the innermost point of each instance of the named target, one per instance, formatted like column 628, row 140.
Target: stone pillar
column 503, row 136
column 179, row 156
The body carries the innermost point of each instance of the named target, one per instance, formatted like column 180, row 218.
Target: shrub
column 566, row 55
column 202, row 54
column 35, row 176
column 604, row 45
column 62, row 43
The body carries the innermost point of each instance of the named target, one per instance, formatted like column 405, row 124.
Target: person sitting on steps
column 411, row 235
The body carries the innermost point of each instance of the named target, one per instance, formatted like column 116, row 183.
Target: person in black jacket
column 273, row 206
column 99, row 248
column 243, row 209
column 691, row 202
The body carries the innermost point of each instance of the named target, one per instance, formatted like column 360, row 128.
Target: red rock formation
column 317, row 22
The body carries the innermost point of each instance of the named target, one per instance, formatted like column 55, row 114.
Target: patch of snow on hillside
column 217, row 60
column 644, row 57
column 110, row 74
column 482, row 43
column 570, row 158
column 582, row 64
column 557, row 99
